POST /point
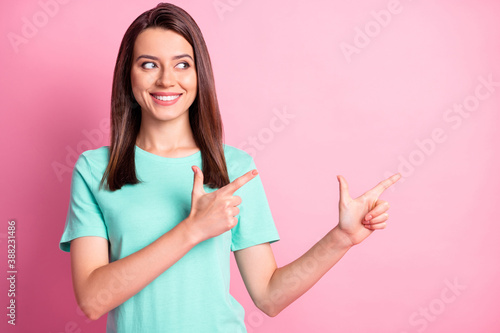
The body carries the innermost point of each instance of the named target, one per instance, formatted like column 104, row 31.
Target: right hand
column 214, row 213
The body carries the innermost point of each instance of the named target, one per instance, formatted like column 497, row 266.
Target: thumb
column 343, row 189
column 197, row 182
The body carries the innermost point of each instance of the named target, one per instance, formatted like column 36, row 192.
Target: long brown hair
column 204, row 114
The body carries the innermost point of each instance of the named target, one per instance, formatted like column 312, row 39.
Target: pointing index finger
column 385, row 184
column 240, row 181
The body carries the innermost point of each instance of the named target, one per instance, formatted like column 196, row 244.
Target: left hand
column 359, row 217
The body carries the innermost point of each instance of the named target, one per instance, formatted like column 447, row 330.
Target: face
column 163, row 74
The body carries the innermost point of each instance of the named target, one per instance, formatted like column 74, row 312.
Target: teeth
column 166, row 98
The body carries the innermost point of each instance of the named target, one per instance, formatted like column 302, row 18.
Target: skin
column 272, row 289
column 165, row 131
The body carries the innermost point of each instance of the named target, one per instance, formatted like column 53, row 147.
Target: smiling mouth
column 166, row 98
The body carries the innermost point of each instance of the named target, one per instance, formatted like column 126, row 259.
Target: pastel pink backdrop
column 383, row 105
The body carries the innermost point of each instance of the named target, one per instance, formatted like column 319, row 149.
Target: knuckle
column 229, row 213
column 229, row 204
column 217, row 194
column 364, row 198
column 232, row 222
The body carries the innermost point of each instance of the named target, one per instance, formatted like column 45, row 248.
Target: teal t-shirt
column 193, row 294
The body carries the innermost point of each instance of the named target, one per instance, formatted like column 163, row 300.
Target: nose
column 166, row 78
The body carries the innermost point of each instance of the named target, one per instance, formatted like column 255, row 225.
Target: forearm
column 110, row 285
column 291, row 281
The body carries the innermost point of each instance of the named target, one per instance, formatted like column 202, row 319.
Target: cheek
column 190, row 82
column 141, row 81
column 134, row 82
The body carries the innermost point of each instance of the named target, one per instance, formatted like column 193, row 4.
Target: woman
column 150, row 240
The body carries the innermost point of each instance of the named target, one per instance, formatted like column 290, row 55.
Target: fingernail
column 369, row 217
column 255, row 172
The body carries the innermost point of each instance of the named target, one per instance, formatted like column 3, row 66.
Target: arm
column 272, row 289
column 101, row 286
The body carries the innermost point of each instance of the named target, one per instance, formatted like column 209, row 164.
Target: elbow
column 91, row 314
column 269, row 308
column 270, row 312
column 273, row 312
column 90, row 311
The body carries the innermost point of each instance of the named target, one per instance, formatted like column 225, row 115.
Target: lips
column 164, row 98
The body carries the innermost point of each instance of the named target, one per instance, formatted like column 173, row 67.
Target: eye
column 148, row 65
column 184, row 65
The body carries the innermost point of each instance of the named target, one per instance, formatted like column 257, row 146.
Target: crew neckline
column 164, row 159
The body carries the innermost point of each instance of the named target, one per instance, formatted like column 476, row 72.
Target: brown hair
column 204, row 114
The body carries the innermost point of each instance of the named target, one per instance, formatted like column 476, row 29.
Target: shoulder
column 94, row 159
column 98, row 155
column 236, row 155
column 238, row 161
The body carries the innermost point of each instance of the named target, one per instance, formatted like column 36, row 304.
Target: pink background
column 365, row 115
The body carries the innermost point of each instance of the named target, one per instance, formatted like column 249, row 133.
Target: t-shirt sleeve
column 255, row 221
column 84, row 216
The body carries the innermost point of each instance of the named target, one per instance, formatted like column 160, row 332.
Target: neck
column 166, row 136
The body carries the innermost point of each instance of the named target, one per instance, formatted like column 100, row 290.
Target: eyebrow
column 179, row 56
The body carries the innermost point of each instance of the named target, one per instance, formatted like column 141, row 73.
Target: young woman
column 153, row 217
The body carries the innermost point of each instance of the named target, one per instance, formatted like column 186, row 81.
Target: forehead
column 161, row 43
